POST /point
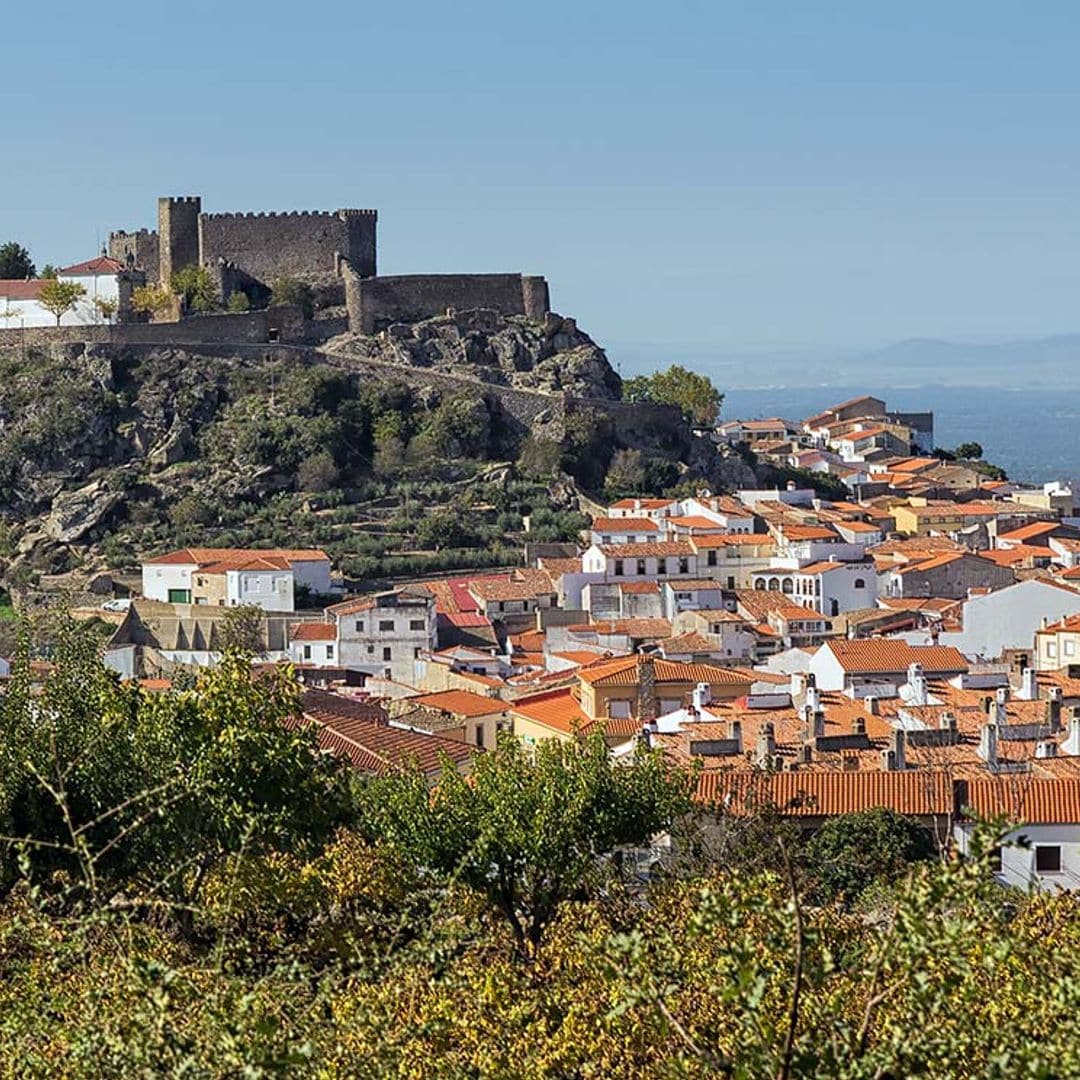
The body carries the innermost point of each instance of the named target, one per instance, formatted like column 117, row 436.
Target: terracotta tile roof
column 464, row 620
column 935, row 562
column 825, row 794
column 641, row 551
column 102, row 264
column 460, row 703
column 822, row 567
column 888, row 655
column 1069, row 623
column 558, row 567
column 1011, row 556
column 644, row 504
column 717, row 540
column 557, row 709
column 1024, row 799
column 634, row 628
column 695, row 521
column 691, row 643
column 626, row 524
column 314, row 631
column 492, row 590
column 1031, row 531
column 639, row 588
column 578, row 656
column 207, row 556
column 625, row 671
column 361, row 733
column 20, row 289
column 246, row 562
column 808, row 532
column 858, row 526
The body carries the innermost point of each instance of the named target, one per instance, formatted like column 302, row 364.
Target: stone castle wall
column 178, row 234
column 285, row 324
column 376, row 302
column 271, row 245
column 138, row 249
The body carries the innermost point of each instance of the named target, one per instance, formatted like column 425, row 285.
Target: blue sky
column 723, row 175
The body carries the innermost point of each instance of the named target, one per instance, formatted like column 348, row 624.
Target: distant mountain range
column 1026, row 363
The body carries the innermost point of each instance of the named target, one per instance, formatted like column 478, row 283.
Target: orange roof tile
column 641, row 551
column 557, row 709
column 889, row 655
column 1031, row 801
column 206, row 556
column 460, row 703
column 626, row 524
column 314, row 631
column 626, row 671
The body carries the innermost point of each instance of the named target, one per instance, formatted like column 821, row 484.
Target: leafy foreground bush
column 339, row 930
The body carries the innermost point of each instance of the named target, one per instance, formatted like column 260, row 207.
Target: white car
column 116, row 605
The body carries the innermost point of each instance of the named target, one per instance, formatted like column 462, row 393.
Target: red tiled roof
column 807, row 532
column 460, row 703
column 731, row 540
column 314, row 631
column 644, row 504
column 887, row 655
column 824, row 794
column 246, row 562
column 626, row 671
column 557, row 709
column 102, row 264
column 1031, row 801
column 206, row 556
column 626, row 524
column 640, row 551
column 20, row 289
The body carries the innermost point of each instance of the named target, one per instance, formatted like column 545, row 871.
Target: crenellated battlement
column 307, row 215
column 357, row 213
column 120, row 234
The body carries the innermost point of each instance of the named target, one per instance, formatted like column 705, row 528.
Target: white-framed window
column 1068, row 647
column 1051, row 649
column 1048, row 858
column 619, row 710
column 329, row 652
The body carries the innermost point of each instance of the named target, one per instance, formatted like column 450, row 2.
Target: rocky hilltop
column 110, row 450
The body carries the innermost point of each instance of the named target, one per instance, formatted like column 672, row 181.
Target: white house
column 874, row 665
column 656, row 560
column 314, row 644
column 1043, row 851
column 1009, row 618
column 105, row 281
column 830, row 588
column 386, row 633
column 624, row 530
column 230, row 576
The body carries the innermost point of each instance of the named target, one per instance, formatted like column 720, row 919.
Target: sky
column 722, row 175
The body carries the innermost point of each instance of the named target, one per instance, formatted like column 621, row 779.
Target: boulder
column 75, row 513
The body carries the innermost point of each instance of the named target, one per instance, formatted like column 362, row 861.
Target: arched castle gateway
column 249, row 251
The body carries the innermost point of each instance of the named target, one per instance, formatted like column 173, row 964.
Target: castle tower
column 178, row 233
column 360, row 239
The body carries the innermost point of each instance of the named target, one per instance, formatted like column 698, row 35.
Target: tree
column 151, row 300
column 626, row 474
column 195, row 286
column 49, row 272
column 15, row 262
column 239, row 302
column 106, row 307
column 293, row 291
column 692, row 393
column 446, row 528
column 317, row 473
column 59, row 297
column 854, row 851
column 531, row 827
column 969, row 451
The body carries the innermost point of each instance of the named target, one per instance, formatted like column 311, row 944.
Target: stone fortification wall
column 273, row 245
column 136, row 249
column 178, row 234
column 374, row 303
column 274, row 324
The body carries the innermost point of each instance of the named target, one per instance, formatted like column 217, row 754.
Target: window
column 479, row 735
column 668, row 705
column 994, row 859
column 329, row 652
column 711, row 560
column 386, row 673
column 1051, row 648
column 641, row 567
column 730, row 582
column 619, row 710
column 359, row 626
column 386, row 654
column 684, row 566
column 370, row 649
column 1048, row 859
column 416, row 653
column 661, row 566
column 502, row 605
column 619, row 571
column 417, row 624
column 859, row 583
column 307, row 652
column 386, row 624
column 1068, row 647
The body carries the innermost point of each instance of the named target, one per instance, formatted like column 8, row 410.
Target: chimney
column 646, row 689
column 813, row 697
column 1046, row 748
column 1001, row 699
column 765, row 750
column 988, row 739
column 947, row 722
column 1029, row 686
column 702, row 696
column 735, row 734
column 892, row 759
column 806, row 754
column 798, row 684
column 1071, row 745
column 871, row 705
column 858, row 726
column 1053, row 709
column 917, row 682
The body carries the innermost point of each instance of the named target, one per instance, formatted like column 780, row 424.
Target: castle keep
column 247, row 252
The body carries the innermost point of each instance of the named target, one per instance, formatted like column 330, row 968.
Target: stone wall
column 178, row 234
column 376, row 302
column 285, row 324
column 305, row 244
column 136, row 249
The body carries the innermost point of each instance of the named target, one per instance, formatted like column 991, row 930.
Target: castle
column 337, row 249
